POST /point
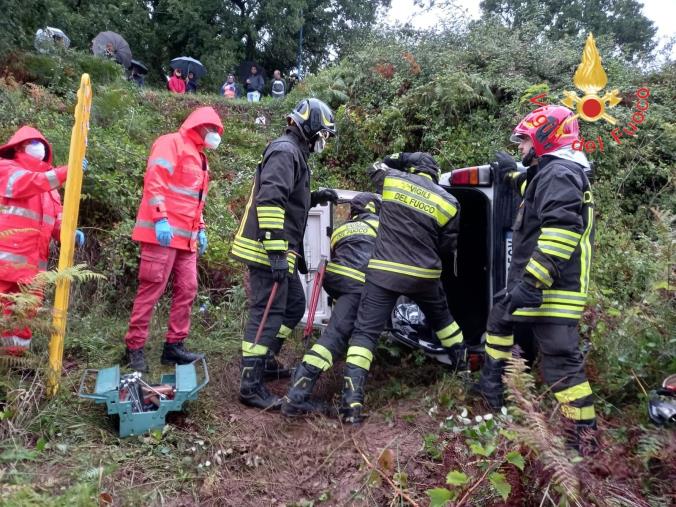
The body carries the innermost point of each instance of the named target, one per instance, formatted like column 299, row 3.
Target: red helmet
column 549, row 127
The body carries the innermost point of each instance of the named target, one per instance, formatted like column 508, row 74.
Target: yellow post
column 71, row 208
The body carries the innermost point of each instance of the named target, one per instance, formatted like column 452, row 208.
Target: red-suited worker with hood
column 170, row 228
column 30, row 217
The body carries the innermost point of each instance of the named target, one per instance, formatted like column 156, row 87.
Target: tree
column 622, row 20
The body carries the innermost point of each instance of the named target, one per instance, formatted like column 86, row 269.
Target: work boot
column 297, row 401
column 175, row 353
column 490, row 386
column 458, row 357
column 252, row 391
column 135, row 360
column 273, row 369
column 583, row 438
column 352, row 404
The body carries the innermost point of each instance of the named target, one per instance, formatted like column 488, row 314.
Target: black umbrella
column 112, row 45
column 244, row 70
column 187, row 64
column 138, row 67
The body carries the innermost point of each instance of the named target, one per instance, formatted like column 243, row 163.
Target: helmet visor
column 517, row 138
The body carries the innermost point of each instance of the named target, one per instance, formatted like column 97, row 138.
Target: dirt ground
column 274, row 460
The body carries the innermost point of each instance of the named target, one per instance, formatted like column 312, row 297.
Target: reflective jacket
column 351, row 247
column 276, row 213
column 176, row 183
column 419, row 224
column 30, row 204
column 552, row 241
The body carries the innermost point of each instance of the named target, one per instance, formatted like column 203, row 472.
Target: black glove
column 504, row 166
column 323, row 197
column 524, row 295
column 279, row 266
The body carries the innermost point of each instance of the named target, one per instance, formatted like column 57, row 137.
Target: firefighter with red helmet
column 30, row 216
column 548, row 279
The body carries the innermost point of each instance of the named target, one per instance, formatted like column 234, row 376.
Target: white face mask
column 212, row 140
column 36, row 149
column 320, row 144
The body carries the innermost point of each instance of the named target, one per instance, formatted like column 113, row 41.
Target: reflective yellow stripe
column 359, row 356
column 497, row 354
column 506, row 341
column 275, row 244
column 452, row 340
column 557, row 249
column 574, row 393
column 522, row 189
column 246, row 253
column 322, row 351
column 351, row 229
column 563, row 235
column 540, row 272
column 317, row 362
column 404, row 269
column 578, row 414
column 564, row 296
column 449, row 330
column 270, row 210
column 284, row 332
column 252, row 349
column 418, row 198
column 337, row 269
column 370, row 207
column 586, row 252
column 268, row 223
column 240, row 231
column 291, row 259
column 551, row 310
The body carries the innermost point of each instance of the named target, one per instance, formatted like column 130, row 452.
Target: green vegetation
column 456, row 95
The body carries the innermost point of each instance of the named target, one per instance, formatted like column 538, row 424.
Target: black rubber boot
column 252, row 391
column 352, row 404
column 297, row 401
column 175, row 353
column 273, row 369
column 583, row 438
column 490, row 386
column 136, row 360
column 458, row 357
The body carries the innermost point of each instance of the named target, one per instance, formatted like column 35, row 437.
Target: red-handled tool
column 314, row 299
column 264, row 319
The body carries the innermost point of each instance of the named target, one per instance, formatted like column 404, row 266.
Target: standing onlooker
column 230, row 90
column 176, row 83
column 254, row 85
column 191, row 83
column 278, row 87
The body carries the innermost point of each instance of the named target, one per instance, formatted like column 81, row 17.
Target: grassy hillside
column 457, row 97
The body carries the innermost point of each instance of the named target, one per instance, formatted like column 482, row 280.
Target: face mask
column 320, row 144
column 36, row 150
column 212, row 140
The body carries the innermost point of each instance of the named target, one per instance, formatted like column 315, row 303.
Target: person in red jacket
column 171, row 230
column 176, row 83
column 30, row 216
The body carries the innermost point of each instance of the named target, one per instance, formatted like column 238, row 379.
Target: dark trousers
column 332, row 344
column 374, row 313
column 287, row 309
column 560, row 356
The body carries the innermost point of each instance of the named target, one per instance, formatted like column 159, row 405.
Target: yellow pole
column 71, row 208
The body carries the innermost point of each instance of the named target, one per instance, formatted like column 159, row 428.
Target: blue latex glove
column 163, row 232
column 79, row 238
column 85, row 165
column 202, row 242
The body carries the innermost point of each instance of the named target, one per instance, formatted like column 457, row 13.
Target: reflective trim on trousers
column 573, row 393
column 578, row 414
column 14, row 341
column 253, row 349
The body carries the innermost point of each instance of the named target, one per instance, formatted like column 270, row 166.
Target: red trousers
column 157, row 265
column 13, row 341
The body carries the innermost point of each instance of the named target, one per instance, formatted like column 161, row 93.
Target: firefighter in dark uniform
column 351, row 248
column 548, row 279
column 418, row 229
column 270, row 241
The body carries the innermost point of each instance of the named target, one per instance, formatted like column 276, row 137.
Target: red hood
column 28, row 134
column 199, row 117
